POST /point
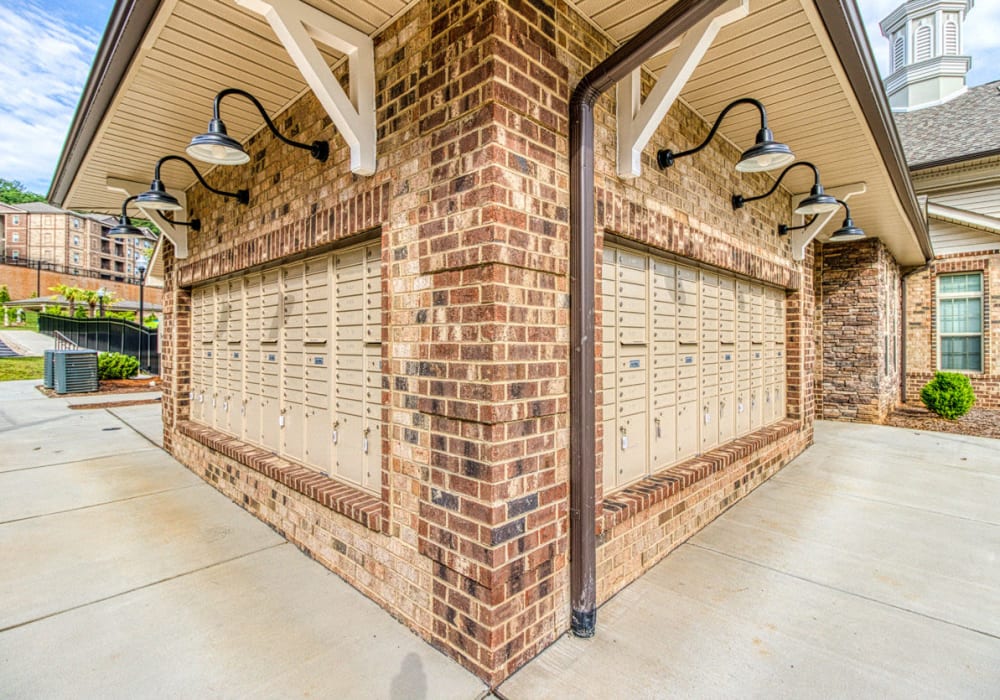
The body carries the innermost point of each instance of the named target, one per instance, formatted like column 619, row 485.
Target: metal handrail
column 64, row 343
column 106, row 335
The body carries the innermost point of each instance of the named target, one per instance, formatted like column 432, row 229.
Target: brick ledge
column 349, row 501
column 632, row 500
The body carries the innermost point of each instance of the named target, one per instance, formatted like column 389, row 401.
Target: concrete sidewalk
column 27, row 343
column 869, row 567
column 125, row 575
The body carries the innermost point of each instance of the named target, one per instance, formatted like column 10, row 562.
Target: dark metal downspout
column 671, row 25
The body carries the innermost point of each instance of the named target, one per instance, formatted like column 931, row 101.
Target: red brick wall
column 467, row 541
column 861, row 331
column 23, row 282
column 921, row 325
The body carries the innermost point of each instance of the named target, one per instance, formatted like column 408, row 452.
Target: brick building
column 491, row 360
column 69, row 241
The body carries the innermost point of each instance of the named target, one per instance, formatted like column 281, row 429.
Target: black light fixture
column 847, row 231
column 818, row 202
column 157, row 197
column 765, row 154
column 217, row 146
column 124, row 228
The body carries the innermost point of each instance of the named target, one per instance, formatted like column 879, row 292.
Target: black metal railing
column 107, row 335
column 104, row 273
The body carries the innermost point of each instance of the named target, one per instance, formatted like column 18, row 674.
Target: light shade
column 125, row 229
column 217, row 146
column 818, row 202
column 766, row 154
column 156, row 197
column 847, row 232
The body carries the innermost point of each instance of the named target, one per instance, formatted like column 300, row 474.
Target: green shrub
column 4, row 294
column 949, row 395
column 114, row 365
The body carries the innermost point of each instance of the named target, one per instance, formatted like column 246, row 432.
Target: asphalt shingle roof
column 964, row 126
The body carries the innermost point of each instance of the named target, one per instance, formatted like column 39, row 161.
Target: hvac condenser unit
column 75, row 371
column 49, row 377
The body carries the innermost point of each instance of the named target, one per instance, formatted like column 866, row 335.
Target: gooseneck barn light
column 124, row 227
column 818, row 202
column 157, row 197
column 217, row 146
column 847, row 231
column 765, row 154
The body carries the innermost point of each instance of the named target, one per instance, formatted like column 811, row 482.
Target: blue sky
column 47, row 46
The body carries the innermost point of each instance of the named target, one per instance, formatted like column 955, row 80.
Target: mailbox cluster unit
column 692, row 359
column 290, row 359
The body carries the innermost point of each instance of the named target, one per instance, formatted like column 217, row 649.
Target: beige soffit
column 963, row 217
column 780, row 54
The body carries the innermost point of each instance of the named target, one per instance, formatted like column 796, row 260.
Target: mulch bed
column 980, row 422
column 112, row 386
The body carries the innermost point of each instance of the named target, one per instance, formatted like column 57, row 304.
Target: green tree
column 13, row 192
column 71, row 295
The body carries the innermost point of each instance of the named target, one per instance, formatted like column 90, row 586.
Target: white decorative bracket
column 178, row 235
column 637, row 121
column 803, row 237
column 298, row 26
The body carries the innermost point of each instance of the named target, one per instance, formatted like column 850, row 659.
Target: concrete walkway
column 124, row 575
column 869, row 567
column 28, row 343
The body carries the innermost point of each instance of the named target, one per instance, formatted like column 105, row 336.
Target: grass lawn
column 12, row 368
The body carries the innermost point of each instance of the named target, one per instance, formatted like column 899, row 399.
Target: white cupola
column 926, row 63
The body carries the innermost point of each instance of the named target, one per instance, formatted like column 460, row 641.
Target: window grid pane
column 961, row 284
column 960, row 313
column 961, row 352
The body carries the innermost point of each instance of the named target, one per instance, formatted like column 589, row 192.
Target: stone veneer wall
column 921, row 326
column 467, row 541
column 861, row 331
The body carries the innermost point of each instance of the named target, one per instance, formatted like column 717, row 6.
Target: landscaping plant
column 114, row 365
column 949, row 395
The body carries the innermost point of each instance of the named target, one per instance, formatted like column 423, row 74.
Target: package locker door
column 317, row 340
column 251, row 359
column 373, row 432
column 197, row 395
column 293, row 362
column 609, row 367
column 270, row 360
column 348, row 414
column 234, row 352
column 688, row 363
column 743, row 348
column 663, row 431
column 220, row 357
column 709, row 396
column 633, row 366
column 756, row 356
column 727, row 359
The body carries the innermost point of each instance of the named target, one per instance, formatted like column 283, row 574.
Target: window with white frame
column 15, row 237
column 15, row 219
column 76, row 240
column 960, row 322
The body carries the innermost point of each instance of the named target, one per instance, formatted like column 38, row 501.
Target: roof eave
column 846, row 30
column 954, row 160
column 128, row 24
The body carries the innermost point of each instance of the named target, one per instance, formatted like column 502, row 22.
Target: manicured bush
column 949, row 395
column 114, row 365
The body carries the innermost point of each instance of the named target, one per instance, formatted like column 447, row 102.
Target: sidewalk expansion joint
column 139, row 588
column 844, row 591
column 98, row 505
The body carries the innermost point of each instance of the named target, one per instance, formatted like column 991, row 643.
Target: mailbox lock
column 657, row 422
column 336, row 424
column 624, row 432
column 364, row 442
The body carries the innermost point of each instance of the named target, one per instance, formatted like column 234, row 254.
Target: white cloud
column 45, row 65
column 981, row 30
